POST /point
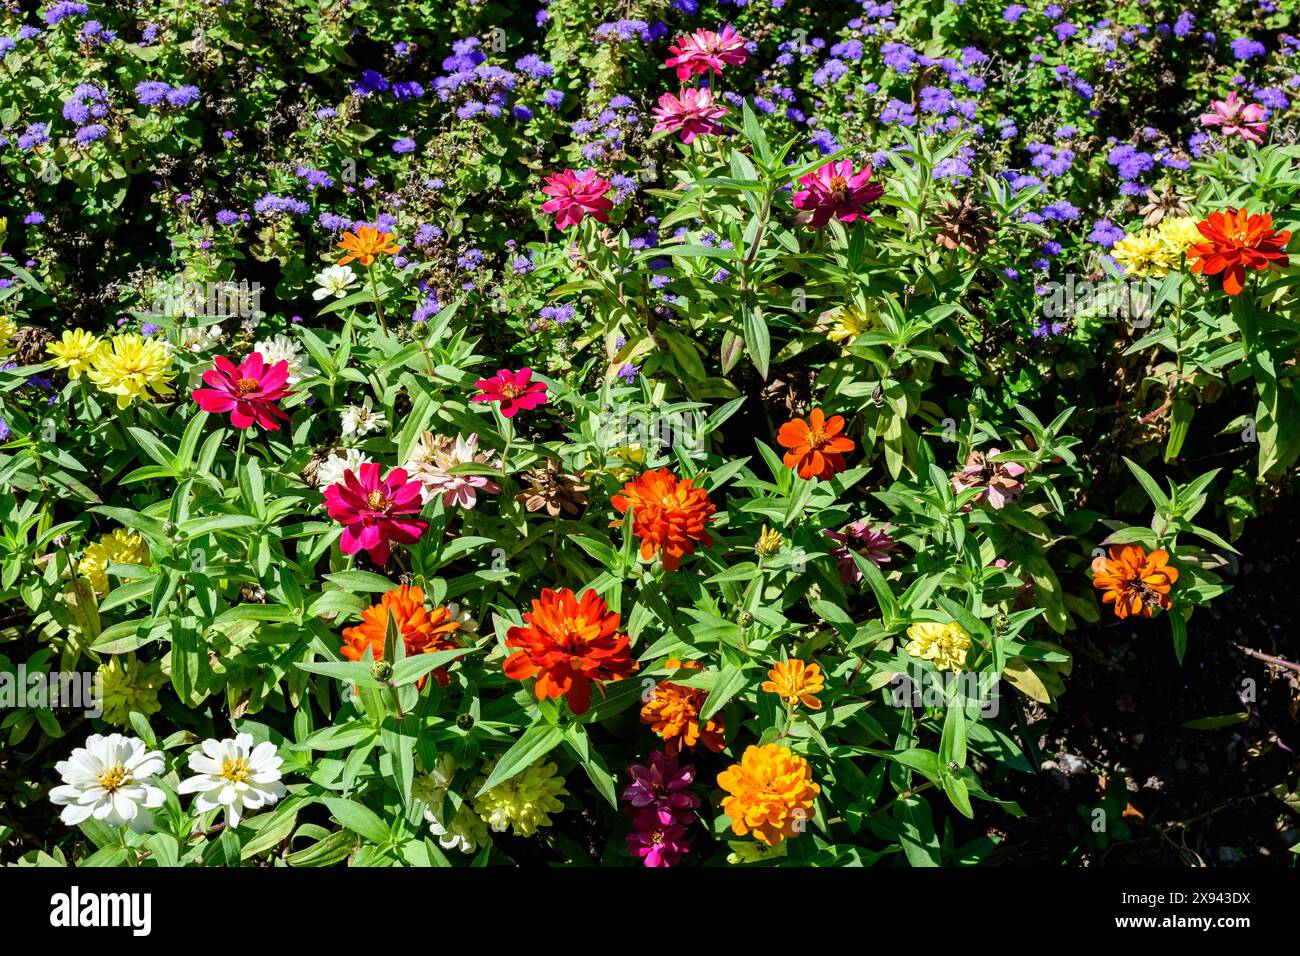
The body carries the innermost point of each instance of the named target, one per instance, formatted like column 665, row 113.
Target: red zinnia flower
column 816, row 446
column 836, row 190
column 373, row 510
column 670, row 515
column 248, row 391
column 694, row 114
column 705, row 51
column 1237, row 241
column 569, row 643
column 516, row 391
column 577, row 195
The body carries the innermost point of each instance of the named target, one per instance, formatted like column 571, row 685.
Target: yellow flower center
column 236, row 771
column 114, row 777
column 839, row 187
column 247, row 385
column 378, row 500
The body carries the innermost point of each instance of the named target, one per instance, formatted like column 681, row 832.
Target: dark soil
column 1194, row 796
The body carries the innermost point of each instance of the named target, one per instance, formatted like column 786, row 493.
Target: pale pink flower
column 1235, row 117
column 433, row 459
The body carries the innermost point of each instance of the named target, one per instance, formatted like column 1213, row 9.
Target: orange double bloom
column 771, row 793
column 674, row 714
column 670, row 515
column 423, row 631
column 1135, row 582
column 569, row 643
column 816, row 446
column 365, row 244
column 1236, row 241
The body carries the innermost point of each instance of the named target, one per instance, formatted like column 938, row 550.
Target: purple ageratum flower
column 180, row 97
column 152, row 92
column 273, row 205
column 37, row 134
column 34, row 218
column 404, row 146
column 1185, row 23
column 1244, row 48
column 553, row 98
column 91, row 132
column 534, row 66
column 860, row 537
column 1105, row 233
column 64, row 9
column 662, row 787
column 225, row 217
column 1014, row 12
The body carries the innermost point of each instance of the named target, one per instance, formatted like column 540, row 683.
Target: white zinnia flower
column 465, row 831
column 281, row 348
column 110, row 779
column 200, row 338
column 361, row 419
column 333, row 281
column 235, row 775
column 331, row 469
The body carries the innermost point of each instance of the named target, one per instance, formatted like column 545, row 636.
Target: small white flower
column 200, row 338
column 333, row 281
column 465, row 831
column 361, row 420
column 331, row 469
column 281, row 348
column 110, row 779
column 235, row 775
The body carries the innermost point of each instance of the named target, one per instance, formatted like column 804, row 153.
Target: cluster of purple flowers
column 154, row 93
column 84, row 108
column 661, row 805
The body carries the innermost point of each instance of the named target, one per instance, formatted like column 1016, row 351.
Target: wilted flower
column 860, row 537
column 999, row 480
column 553, row 490
column 432, row 460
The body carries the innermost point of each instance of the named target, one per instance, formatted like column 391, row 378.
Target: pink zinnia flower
column 661, row 786
column 514, row 390
column 432, row 461
column 577, row 195
column 656, row 843
column 836, row 190
column 872, row 543
column 1235, row 117
column 248, row 391
column 693, row 114
column 704, row 51
column 373, row 510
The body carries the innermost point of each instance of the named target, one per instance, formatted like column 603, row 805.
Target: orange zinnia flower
column 1237, row 241
column 674, row 714
column 772, row 793
column 816, row 446
column 1134, row 581
column 366, row 243
column 423, row 631
column 670, row 515
column 796, row 682
column 568, row 644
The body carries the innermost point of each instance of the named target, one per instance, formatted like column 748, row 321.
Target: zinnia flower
column 361, row 420
column 999, row 480
column 568, row 644
column 1179, row 233
column 129, row 366
column 1236, row 240
column 674, row 714
column 119, row 546
column 332, row 282
column 464, row 831
column 249, row 391
column 516, row 391
column 836, row 190
column 1135, row 582
column 524, row 802
column 365, row 244
column 670, row 515
column 575, row 195
column 860, row 537
column 944, row 645
column 1235, row 117
column 281, row 348
column 655, row 842
column 76, row 352
column 234, row 775
column 816, row 446
column 435, row 456
column 423, row 631
column 796, row 683
column 692, row 114
column 705, row 51
column 375, row 510
column 662, row 788
column 1145, row 254
column 129, row 686
column 772, row 793
column 110, row 779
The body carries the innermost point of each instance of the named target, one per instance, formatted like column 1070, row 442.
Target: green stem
column 374, row 291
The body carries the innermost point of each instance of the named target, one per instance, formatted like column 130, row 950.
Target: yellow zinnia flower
column 847, row 323
column 130, row 687
column 119, row 546
column 130, row 365
column 77, row 352
column 524, row 802
column 945, row 645
column 7, row 331
column 1179, row 234
column 1144, row 254
column 796, row 683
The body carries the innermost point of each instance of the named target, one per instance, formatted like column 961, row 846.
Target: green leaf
column 537, row 741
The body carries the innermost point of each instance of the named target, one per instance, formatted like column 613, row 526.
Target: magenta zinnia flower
column 656, row 843
column 374, row 510
column 693, row 114
column 874, row 544
column 577, row 195
column 1235, row 117
column 514, row 390
column 836, row 190
column 704, row 51
column 248, row 391
column 661, row 786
